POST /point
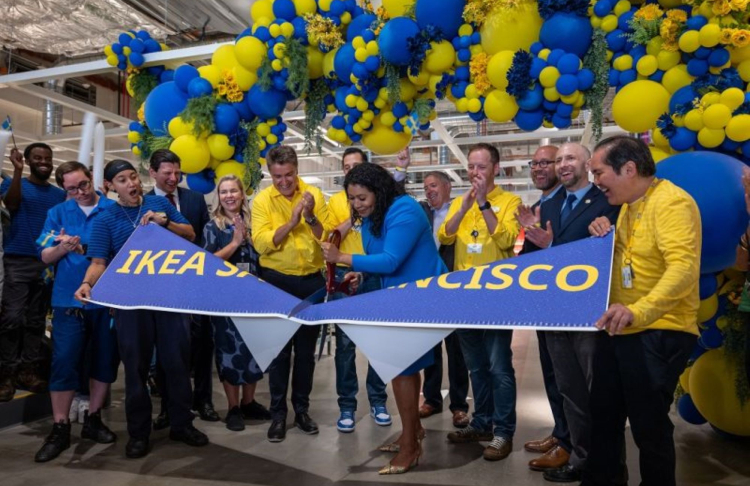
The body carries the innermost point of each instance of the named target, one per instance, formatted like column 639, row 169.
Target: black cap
column 115, row 167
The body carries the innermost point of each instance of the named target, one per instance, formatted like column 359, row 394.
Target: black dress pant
column 560, row 431
column 302, row 344
column 635, row 379
column 138, row 331
column 458, row 376
column 23, row 313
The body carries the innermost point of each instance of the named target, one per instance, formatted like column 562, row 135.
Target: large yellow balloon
column 224, row 58
column 707, row 308
column 738, row 128
column 219, row 147
column 397, row 8
column 657, row 153
column 260, row 9
column 245, row 79
column 712, row 387
column 250, row 52
column 638, row 105
column 178, row 127
column 230, row 167
column 497, row 69
column 383, row 140
column 304, row 7
column 315, row 60
column 328, row 59
column 193, row 153
column 511, row 29
column 500, row 106
column 440, row 57
column 211, row 73
column 676, row 78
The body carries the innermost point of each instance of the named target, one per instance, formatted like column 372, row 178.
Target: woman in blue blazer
column 399, row 247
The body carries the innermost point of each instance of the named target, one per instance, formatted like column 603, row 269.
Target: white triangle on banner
column 391, row 350
column 265, row 337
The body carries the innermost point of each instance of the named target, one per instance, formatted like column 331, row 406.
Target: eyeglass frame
column 79, row 188
column 542, row 164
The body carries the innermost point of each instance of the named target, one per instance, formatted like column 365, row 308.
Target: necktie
column 172, row 200
column 567, row 208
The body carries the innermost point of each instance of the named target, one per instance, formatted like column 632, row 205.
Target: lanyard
column 628, row 254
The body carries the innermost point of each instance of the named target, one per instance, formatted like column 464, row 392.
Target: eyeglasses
column 83, row 186
column 542, row 164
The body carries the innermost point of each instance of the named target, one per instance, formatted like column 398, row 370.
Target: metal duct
column 52, row 113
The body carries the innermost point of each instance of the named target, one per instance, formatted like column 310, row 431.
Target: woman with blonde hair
column 227, row 236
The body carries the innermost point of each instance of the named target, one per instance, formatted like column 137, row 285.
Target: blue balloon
column 567, row 84
column 458, row 90
column 554, row 56
column 714, row 181
column 151, row 46
column 702, row 53
column 393, row 40
column 243, row 110
column 338, row 7
column 711, row 338
column 657, row 76
column 124, row 39
column 360, row 71
column 199, row 87
column 478, row 116
column 446, row 15
column 623, row 21
column 602, row 8
column 708, row 285
column 550, row 105
column 567, row 31
column 165, row 102
column 585, row 79
column 358, row 25
column 535, row 48
column 136, row 59
column 531, row 99
column 134, row 126
column 344, row 61
column 183, row 75
column 529, row 120
column 688, row 411
column 616, row 40
column 537, row 65
column 400, row 109
column 202, row 182
column 284, row 9
column 463, row 73
column 696, row 22
column 686, row 94
column 137, row 45
column 697, row 67
column 564, row 110
column 266, row 104
column 628, row 76
column 614, row 77
column 143, row 35
column 561, row 121
column 226, row 119
column 117, row 48
column 568, row 64
column 464, row 55
column 718, row 57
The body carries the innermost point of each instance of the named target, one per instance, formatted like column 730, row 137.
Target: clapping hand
column 528, row 217
column 600, row 226
column 240, row 230
column 468, row 200
column 69, row 243
column 308, row 205
column 541, row 237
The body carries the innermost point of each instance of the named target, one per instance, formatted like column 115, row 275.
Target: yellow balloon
column 667, row 59
column 549, row 76
column 305, row 6
column 738, row 128
column 261, row 8
column 647, row 65
column 112, row 59
column 713, row 390
column 621, row 7
column 219, row 147
column 499, row 106
column 609, row 23
column 383, row 140
column 658, row 154
column 737, row 55
column 421, row 79
column 213, row 164
column 694, row 120
column 178, row 127
column 709, row 35
column 711, row 138
column 440, row 57
column 659, row 139
column 211, row 73
column 497, row 69
column 134, row 137
column 328, row 63
column 623, row 63
column 397, row 8
column 717, row 116
column 230, row 167
column 676, row 78
column 314, row 62
column 689, row 41
column 638, row 105
column 707, row 308
column 511, row 29
column 685, row 379
column 250, row 52
column 245, row 79
column 224, row 58
column 408, row 90
column 732, row 97
column 193, row 153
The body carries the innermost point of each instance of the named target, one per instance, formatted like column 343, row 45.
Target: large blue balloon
column 266, row 104
column 358, row 25
column 165, row 102
column 226, row 119
column 446, row 15
column 344, row 61
column 714, row 181
column 393, row 40
column 202, row 182
column 566, row 31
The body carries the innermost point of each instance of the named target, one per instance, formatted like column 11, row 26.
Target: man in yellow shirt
column 289, row 219
column 651, row 320
column 482, row 225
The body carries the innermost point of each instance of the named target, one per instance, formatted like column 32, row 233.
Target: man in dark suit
column 543, row 176
column 165, row 170
column 437, row 188
column 566, row 218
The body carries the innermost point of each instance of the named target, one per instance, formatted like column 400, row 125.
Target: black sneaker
column 306, row 424
column 137, row 448
column 57, row 441
column 234, row 420
column 161, row 421
column 190, row 436
column 94, row 429
column 277, row 431
column 255, row 411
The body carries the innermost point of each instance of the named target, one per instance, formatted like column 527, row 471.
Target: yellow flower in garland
column 669, row 30
column 235, row 95
column 738, row 5
column 677, row 15
column 323, row 31
column 726, row 36
column 477, row 11
column 222, row 89
column 478, row 70
column 721, row 7
column 649, row 12
column 741, row 38
column 141, row 115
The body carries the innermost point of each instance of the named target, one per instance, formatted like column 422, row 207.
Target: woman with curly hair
column 399, row 247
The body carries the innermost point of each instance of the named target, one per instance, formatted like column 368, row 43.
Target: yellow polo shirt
column 495, row 246
column 299, row 253
column 666, row 256
column 339, row 210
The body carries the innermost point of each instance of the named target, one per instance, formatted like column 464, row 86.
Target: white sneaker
column 73, row 413
column 83, row 407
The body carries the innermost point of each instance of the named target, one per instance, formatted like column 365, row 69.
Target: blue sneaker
column 380, row 414
column 345, row 423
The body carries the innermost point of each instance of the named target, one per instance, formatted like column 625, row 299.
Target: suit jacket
column 193, row 207
column 447, row 252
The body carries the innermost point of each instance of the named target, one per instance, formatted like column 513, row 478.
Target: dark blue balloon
column 463, row 73
column 708, row 285
column 372, row 63
column 464, row 55
column 198, row 87
column 585, row 79
column 696, row 22
column 300, row 28
column 478, row 116
column 279, row 83
column 338, row 122
column 124, row 39
column 263, row 34
column 702, row 52
column 358, row 25
column 226, row 119
column 714, row 181
column 135, row 127
column 143, row 35
column 446, row 15
column 623, row 21
column 529, row 120
column 155, row 70
column 166, row 75
column 165, row 102
column 337, row 8
column 368, row 35
column 136, row 59
column 554, row 56
column 614, row 77
column 137, row 45
column 360, row 70
column 561, row 121
column 183, row 75
column 202, row 182
column 564, row 110
column 688, row 411
column 284, row 9
column 711, row 338
column 602, row 8
column 266, row 104
column 568, row 64
column 244, row 110
column 684, row 139
column 550, row 105
column 718, row 57
column 567, row 84
column 537, row 65
column 117, row 48
column 567, row 31
column 400, row 109
column 393, row 40
column 536, row 47
column 697, row 67
column 657, row 76
column 531, row 99
column 628, row 76
column 344, row 61
column 616, row 40
column 151, row 46
column 458, row 90
column 686, row 94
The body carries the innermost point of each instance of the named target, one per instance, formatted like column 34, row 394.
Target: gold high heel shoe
column 395, row 447
column 391, row 469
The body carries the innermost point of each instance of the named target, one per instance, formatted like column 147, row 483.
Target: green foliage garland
column 736, row 333
column 253, row 174
column 200, row 111
column 393, row 82
column 423, row 109
column 142, row 83
column 152, row 143
column 298, row 82
column 315, row 113
column 596, row 61
column 643, row 30
column 264, row 74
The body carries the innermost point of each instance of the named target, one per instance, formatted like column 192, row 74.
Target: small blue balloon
column 446, row 16
column 696, row 22
column 657, row 76
column 136, row 59
column 163, row 103
column 529, row 120
column 198, row 87
column 266, row 104
column 360, row 70
column 394, row 40
column 628, row 76
column 368, row 35
column 702, row 52
column 561, row 121
column 155, row 70
column 244, row 110
column 623, row 21
column 684, row 95
column 688, row 411
column 683, row 139
column 117, row 48
column 400, row 109
column 300, row 28
column 137, row 45
column 550, row 105
column 616, row 40
column 263, row 34
column 614, row 77
column 458, row 90
column 372, row 63
column 135, row 127
column 202, row 182
column 697, row 67
column 463, row 73
column 183, row 75
column 124, row 39
column 151, row 46
column 564, row 110
column 536, row 47
column 537, row 65
column 337, row 8
column 708, row 285
column 464, row 55
column 567, row 31
column 358, row 25
column 567, row 84
column 478, row 116
column 531, row 99
column 143, row 35
column 718, row 57
column 568, row 64
column 338, row 122
column 344, row 61
column 585, row 79
column 284, row 9
column 711, row 338
column 602, row 8
column 226, row 119
column 554, row 56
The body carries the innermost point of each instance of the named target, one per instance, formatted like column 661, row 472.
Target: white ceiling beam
column 291, row 129
column 453, row 175
column 446, row 137
column 74, row 137
column 63, row 100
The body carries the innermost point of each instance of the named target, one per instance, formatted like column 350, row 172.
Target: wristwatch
column 312, row 221
column 485, row 206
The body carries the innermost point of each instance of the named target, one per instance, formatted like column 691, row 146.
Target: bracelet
column 312, row 221
column 399, row 169
column 87, row 283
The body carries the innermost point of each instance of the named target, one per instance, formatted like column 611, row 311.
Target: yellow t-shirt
column 666, row 255
column 339, row 210
column 495, row 246
column 299, row 253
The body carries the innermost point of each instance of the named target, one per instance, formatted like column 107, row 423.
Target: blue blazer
column 405, row 250
column 193, row 207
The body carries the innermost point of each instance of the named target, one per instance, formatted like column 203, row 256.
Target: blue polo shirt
column 28, row 221
column 71, row 268
column 115, row 224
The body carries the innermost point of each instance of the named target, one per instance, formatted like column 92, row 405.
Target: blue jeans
column 489, row 359
column 347, row 384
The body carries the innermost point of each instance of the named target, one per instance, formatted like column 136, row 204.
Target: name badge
column 474, row 248
column 245, row 267
column 627, row 277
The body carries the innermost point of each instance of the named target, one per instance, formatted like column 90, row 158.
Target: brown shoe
column 7, row 390
column 498, row 449
column 541, row 446
column 460, row 419
column 28, row 379
column 555, row 458
column 469, row 434
column 426, row 410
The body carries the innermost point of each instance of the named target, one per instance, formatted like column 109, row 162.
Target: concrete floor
column 247, row 458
